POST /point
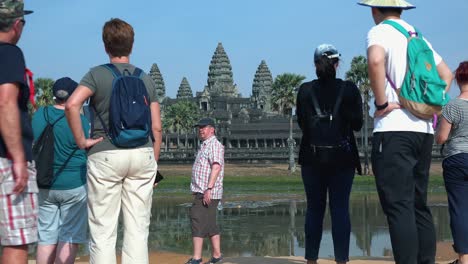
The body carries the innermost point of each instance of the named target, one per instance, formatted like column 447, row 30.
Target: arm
column 72, row 111
column 299, row 114
column 355, row 113
column 156, row 128
column 215, row 170
column 10, row 129
column 445, row 74
column 376, row 65
column 443, row 131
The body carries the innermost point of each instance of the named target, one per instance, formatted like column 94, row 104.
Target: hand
column 89, row 142
column 20, row 174
column 155, row 185
column 387, row 110
column 207, row 197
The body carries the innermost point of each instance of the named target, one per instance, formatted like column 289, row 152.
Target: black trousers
column 401, row 162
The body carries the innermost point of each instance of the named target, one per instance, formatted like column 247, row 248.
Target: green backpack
column 422, row 91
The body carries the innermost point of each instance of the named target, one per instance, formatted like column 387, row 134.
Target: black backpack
column 327, row 131
column 43, row 154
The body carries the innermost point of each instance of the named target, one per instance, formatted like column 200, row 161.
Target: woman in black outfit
column 328, row 110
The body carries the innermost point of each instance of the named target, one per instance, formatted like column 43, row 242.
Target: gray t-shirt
column 456, row 113
column 99, row 80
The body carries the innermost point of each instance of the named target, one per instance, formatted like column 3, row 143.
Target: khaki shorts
column 203, row 218
column 18, row 213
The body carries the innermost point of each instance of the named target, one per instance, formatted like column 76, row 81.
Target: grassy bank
column 266, row 179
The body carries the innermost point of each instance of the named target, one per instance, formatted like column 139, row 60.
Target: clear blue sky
column 63, row 38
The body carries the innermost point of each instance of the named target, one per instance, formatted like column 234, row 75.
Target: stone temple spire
column 184, row 89
column 220, row 81
column 155, row 74
column 261, row 87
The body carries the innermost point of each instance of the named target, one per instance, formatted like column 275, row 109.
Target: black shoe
column 194, row 261
column 214, row 260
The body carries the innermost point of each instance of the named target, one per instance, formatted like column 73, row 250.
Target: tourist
column 328, row 110
column 18, row 188
column 119, row 178
column 207, row 191
column 63, row 214
column 453, row 131
column 402, row 142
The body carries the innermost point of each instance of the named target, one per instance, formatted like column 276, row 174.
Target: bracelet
column 381, row 107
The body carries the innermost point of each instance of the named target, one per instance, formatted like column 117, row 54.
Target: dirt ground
column 444, row 255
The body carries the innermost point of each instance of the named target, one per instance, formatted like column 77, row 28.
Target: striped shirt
column 456, row 113
column 211, row 151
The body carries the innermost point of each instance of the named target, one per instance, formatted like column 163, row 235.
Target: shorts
column 63, row 216
column 203, row 217
column 18, row 213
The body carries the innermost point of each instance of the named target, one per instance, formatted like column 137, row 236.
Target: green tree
column 180, row 117
column 44, row 94
column 283, row 92
column 358, row 74
column 283, row 100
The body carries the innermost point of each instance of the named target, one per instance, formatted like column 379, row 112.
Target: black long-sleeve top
column 350, row 111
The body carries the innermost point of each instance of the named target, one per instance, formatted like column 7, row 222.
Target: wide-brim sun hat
column 387, row 3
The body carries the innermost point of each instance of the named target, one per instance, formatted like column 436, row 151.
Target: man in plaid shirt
column 207, row 190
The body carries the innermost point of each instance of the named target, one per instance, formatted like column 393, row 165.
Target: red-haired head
column 461, row 74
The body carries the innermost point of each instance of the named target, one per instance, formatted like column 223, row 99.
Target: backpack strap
column 65, row 163
column 113, row 69
column 403, row 30
column 336, row 108
column 137, row 72
column 315, row 102
column 46, row 117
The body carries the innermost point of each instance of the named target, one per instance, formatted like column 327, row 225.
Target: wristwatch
column 209, row 188
column 381, row 107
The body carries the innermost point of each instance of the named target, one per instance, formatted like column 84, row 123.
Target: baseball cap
column 63, row 88
column 387, row 3
column 205, row 122
column 12, row 9
column 327, row 50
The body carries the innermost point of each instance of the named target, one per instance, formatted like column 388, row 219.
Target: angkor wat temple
column 247, row 126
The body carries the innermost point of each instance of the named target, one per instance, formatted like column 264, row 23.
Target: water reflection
column 276, row 227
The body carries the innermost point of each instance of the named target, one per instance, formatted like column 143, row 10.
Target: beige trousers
column 120, row 180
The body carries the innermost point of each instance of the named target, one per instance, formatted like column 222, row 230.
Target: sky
column 63, row 37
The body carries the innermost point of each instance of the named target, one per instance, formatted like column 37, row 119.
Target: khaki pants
column 120, row 180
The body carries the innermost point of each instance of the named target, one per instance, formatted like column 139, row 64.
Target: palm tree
column 44, row 94
column 181, row 116
column 358, row 74
column 283, row 100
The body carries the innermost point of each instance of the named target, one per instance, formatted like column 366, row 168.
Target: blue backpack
column 129, row 111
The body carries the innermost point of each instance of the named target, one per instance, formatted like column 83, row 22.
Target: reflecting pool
column 275, row 227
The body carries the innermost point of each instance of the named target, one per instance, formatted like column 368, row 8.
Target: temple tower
column 220, row 81
column 155, row 74
column 261, row 88
column 185, row 91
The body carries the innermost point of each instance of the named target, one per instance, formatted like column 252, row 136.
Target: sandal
column 214, row 260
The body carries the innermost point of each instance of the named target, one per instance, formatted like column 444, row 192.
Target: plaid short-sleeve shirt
column 211, row 151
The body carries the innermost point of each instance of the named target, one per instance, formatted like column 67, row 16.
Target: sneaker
column 454, row 262
column 214, row 260
column 194, row 261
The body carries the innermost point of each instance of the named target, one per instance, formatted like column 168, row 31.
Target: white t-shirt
column 395, row 45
